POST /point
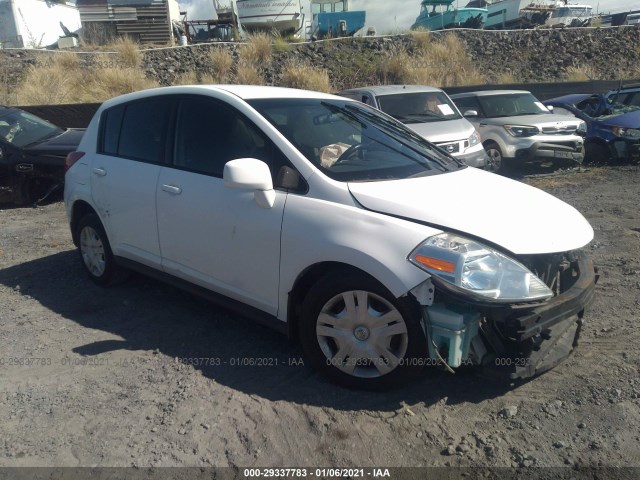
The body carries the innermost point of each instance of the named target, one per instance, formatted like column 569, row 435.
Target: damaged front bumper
column 512, row 341
column 541, row 152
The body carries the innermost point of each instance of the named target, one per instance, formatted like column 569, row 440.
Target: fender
column 315, row 231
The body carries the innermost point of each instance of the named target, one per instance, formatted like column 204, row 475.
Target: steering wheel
column 353, row 149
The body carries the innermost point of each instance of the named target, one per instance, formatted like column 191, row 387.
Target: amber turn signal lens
column 436, row 264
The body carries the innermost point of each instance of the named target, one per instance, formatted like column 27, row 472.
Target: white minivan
column 334, row 223
column 429, row 112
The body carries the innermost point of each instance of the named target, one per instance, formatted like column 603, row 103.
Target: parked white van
column 430, row 113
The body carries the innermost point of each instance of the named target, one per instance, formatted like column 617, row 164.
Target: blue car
column 613, row 129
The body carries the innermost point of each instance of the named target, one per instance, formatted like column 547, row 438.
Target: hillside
column 461, row 57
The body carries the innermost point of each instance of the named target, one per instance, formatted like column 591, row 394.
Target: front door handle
column 172, row 189
column 100, row 172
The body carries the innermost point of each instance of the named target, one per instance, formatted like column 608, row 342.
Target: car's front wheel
column 356, row 333
column 495, row 161
column 95, row 252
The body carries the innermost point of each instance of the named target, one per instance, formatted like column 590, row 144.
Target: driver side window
column 210, row 133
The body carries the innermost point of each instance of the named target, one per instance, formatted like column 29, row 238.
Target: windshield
column 21, row 128
column 511, row 105
column 351, row 142
column 419, row 107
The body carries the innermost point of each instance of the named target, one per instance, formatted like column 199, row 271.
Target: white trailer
column 35, row 23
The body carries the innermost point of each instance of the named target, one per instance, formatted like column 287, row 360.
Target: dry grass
column 52, row 83
column 302, row 75
column 63, row 80
column 128, row 52
column 280, row 43
column 580, row 74
column 187, row 78
column 220, row 63
column 195, row 78
column 505, row 78
column 106, row 83
column 442, row 63
column 422, row 38
column 257, row 51
column 68, row 60
column 395, row 69
column 575, row 179
column 248, row 74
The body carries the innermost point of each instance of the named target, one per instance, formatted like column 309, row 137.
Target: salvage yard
column 143, row 374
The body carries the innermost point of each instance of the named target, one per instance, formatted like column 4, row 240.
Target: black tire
column 596, row 153
column 495, row 160
column 95, row 252
column 401, row 340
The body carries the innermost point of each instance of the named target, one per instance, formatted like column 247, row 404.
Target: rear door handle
column 100, row 171
column 172, row 189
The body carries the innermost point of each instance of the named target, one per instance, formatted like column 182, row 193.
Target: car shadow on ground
column 151, row 316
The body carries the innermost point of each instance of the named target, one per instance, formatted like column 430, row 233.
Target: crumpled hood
column 515, row 216
column 627, row 120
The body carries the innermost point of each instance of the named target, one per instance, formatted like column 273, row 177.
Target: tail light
column 72, row 158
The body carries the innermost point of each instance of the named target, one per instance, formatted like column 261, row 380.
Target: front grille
column 559, row 271
column 449, row 147
column 562, row 130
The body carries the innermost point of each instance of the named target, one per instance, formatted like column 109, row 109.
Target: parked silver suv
column 516, row 127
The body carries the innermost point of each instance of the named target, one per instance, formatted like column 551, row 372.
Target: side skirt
column 223, row 301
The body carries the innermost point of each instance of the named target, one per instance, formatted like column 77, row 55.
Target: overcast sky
column 385, row 14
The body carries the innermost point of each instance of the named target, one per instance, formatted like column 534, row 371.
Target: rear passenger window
column 111, row 135
column 136, row 130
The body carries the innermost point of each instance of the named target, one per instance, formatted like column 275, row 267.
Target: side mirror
column 470, row 113
column 251, row 174
column 550, row 108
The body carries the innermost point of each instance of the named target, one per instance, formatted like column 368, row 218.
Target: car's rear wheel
column 356, row 333
column 95, row 252
column 495, row 161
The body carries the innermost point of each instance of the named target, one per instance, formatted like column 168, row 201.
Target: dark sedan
column 32, row 155
column 613, row 129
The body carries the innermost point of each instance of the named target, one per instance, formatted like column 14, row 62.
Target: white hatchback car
column 335, row 223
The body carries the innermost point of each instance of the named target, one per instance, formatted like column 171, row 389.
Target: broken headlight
column 478, row 268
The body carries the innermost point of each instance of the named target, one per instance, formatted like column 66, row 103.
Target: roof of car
column 246, row 92
column 484, row 93
column 393, row 89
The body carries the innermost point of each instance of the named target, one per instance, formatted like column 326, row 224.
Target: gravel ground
column 145, row 375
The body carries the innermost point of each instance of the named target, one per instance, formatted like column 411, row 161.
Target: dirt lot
column 94, row 377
